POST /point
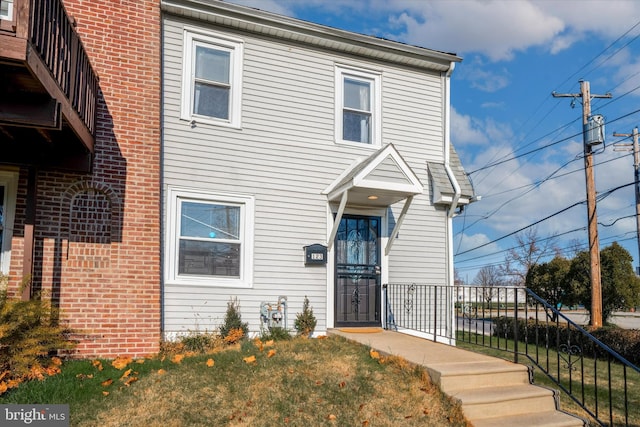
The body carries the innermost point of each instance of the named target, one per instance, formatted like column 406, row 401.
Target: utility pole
column 594, row 243
column 636, row 167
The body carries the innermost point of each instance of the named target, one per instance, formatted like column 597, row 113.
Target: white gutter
column 447, row 142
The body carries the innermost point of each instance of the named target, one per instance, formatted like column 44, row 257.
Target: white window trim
column 375, row 78
column 8, row 179
column 247, row 204
column 236, row 46
column 9, row 15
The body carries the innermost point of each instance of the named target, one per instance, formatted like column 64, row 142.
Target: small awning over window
column 443, row 187
column 378, row 181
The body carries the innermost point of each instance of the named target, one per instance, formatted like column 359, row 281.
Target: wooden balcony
column 48, row 89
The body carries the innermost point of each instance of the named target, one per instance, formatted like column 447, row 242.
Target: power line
column 571, row 77
column 555, row 236
column 562, row 250
column 523, row 228
column 601, row 197
column 533, row 186
column 524, row 154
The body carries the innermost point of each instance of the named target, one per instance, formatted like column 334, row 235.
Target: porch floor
column 483, row 384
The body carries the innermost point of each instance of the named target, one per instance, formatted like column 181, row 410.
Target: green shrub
column 200, row 342
column 276, row 334
column 625, row 342
column 29, row 334
column 233, row 320
column 305, row 322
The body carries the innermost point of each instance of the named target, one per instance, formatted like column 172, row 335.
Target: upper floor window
column 209, row 238
column 211, row 87
column 358, row 106
column 6, row 9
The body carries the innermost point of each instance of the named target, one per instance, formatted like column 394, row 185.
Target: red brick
column 98, row 279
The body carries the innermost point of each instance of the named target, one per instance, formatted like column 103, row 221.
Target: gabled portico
column 378, row 181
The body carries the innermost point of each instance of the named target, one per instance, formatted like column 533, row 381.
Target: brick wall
column 97, row 248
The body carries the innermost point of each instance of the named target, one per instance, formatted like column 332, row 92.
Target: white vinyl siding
column 357, row 106
column 212, row 79
column 284, row 156
column 8, row 191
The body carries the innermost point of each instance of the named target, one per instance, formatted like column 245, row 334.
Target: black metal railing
column 599, row 380
column 58, row 45
column 423, row 309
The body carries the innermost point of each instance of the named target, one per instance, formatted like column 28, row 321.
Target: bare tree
column 488, row 278
column 457, row 280
column 527, row 252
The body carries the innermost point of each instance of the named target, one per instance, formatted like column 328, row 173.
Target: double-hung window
column 6, row 9
column 212, row 79
column 358, row 118
column 209, row 238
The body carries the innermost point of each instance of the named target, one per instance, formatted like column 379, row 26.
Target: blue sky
column 515, row 54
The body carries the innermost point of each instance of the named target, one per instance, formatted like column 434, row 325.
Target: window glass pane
column 209, row 258
column 356, row 127
column 212, row 101
column 212, row 65
column 357, row 94
column 6, row 9
column 210, row 221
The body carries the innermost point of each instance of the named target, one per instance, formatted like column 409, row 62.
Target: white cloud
column 495, row 28
column 468, row 130
column 486, row 81
column 490, row 104
column 465, row 130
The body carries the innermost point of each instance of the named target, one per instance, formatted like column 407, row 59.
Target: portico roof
column 378, row 181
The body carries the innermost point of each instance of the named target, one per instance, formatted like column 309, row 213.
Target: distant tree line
column 564, row 282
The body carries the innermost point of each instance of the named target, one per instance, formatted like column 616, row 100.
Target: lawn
column 550, row 358
column 298, row 382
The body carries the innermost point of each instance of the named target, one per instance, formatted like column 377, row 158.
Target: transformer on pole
column 593, row 134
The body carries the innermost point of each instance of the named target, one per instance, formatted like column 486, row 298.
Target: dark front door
column 358, row 271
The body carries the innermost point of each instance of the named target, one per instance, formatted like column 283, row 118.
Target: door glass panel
column 357, row 271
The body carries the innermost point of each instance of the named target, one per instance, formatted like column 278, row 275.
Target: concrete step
column 539, row 419
column 490, row 402
column 471, row 375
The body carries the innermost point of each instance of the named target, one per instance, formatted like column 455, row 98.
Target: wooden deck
column 48, row 90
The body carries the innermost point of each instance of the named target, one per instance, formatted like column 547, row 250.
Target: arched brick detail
column 89, row 218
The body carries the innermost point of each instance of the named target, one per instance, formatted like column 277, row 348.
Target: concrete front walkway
column 416, row 350
column 493, row 392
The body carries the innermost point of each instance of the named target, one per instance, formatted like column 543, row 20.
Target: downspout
column 447, row 142
column 450, row 332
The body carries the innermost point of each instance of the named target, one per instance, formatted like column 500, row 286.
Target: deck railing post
column 435, row 313
column 385, row 324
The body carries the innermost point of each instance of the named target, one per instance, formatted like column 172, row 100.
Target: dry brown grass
column 305, row 383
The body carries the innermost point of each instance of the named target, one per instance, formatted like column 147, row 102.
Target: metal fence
column 515, row 320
